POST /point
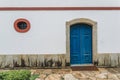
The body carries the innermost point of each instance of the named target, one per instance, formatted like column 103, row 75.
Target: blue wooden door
column 80, row 44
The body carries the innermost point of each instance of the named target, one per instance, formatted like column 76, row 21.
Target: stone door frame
column 90, row 22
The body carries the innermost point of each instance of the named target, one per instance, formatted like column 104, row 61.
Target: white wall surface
column 48, row 3
column 48, row 31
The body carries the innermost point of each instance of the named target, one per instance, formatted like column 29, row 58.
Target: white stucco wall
column 48, row 3
column 48, row 35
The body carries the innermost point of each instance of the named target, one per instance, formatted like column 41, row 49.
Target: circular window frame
column 22, row 30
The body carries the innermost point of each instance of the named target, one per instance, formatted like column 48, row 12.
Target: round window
column 22, row 25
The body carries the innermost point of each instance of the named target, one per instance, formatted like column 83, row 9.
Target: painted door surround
column 90, row 22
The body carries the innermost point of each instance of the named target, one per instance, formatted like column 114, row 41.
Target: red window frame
column 22, row 30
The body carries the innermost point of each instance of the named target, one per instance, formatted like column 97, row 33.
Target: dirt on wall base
column 54, row 61
column 108, row 60
column 39, row 61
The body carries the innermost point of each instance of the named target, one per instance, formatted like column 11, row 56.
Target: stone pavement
column 68, row 74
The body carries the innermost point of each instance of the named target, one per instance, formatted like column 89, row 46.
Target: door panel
column 75, row 45
column 80, row 44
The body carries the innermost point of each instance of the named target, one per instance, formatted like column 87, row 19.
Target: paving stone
column 42, row 76
column 47, row 71
column 102, row 70
column 78, row 75
column 64, row 71
column 33, row 72
column 85, row 79
column 113, row 70
column 89, row 73
column 118, row 75
column 92, row 78
column 69, row 77
column 102, row 79
column 37, row 79
column 113, row 77
column 53, row 77
column 102, row 76
column 97, row 72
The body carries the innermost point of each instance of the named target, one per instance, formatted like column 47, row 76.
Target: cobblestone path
column 68, row 74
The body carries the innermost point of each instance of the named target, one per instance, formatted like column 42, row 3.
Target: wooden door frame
column 93, row 24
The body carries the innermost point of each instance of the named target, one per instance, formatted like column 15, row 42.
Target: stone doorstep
column 84, row 68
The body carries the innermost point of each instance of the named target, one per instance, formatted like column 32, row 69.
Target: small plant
column 34, row 76
column 15, row 75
